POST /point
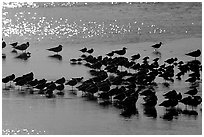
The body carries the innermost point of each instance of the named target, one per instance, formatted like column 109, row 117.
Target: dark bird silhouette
column 135, row 57
column 73, row 60
column 156, row 46
column 56, row 49
column 195, row 54
column 90, row 51
column 60, row 87
column 11, row 78
column 60, row 81
column 171, row 94
column 5, row 80
column 191, row 79
column 169, row 103
column 3, row 44
column 71, row 83
column 186, row 101
column 21, row 82
column 22, row 47
column 171, row 60
column 110, row 54
column 14, row 44
column 192, row 92
column 83, row 50
column 121, row 52
column 33, row 83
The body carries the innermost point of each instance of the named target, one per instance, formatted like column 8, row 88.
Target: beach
column 103, row 27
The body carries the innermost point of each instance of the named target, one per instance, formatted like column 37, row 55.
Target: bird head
column 60, row 46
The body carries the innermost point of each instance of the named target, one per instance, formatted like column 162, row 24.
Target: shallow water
column 71, row 114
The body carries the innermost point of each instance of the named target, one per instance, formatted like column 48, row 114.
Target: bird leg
column 186, row 107
column 192, row 108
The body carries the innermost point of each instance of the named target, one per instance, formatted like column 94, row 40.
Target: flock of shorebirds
column 120, row 81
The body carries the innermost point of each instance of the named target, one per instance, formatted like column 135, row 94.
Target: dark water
column 104, row 27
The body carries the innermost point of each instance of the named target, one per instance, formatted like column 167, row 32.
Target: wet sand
column 73, row 114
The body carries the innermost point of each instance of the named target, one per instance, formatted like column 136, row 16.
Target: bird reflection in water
column 3, row 56
column 24, row 56
column 150, row 111
column 171, row 114
column 190, row 113
column 56, row 56
column 157, row 54
column 128, row 112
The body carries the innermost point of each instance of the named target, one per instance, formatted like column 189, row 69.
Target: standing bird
column 60, row 88
column 121, row 52
column 192, row 92
column 72, row 83
column 156, row 46
column 11, row 78
column 110, row 54
column 56, row 49
column 90, row 51
column 22, row 47
column 5, row 80
column 195, row 54
column 135, row 57
column 3, row 44
column 60, row 81
column 83, row 50
column 14, row 44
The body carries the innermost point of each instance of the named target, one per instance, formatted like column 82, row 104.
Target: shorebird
column 72, row 83
column 171, row 60
column 60, row 81
column 11, row 78
column 192, row 92
column 90, row 51
column 195, row 54
column 156, row 46
column 56, row 49
column 33, row 83
column 22, row 47
column 5, row 80
column 121, row 52
column 110, row 54
column 83, row 50
column 3, row 44
column 60, row 87
column 169, row 103
column 14, row 44
column 135, row 57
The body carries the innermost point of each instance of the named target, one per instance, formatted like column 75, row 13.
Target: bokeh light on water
column 34, row 21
